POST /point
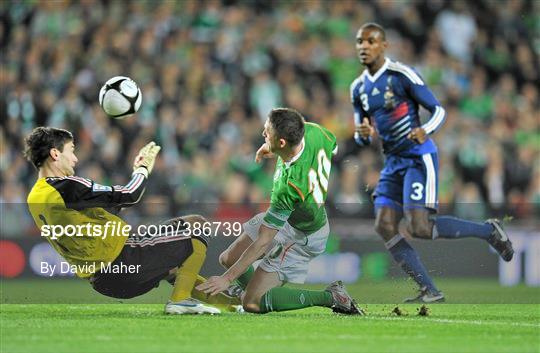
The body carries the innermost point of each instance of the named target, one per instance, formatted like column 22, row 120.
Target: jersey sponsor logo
column 375, row 91
column 99, row 187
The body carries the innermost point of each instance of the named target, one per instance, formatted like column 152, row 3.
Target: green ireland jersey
column 300, row 185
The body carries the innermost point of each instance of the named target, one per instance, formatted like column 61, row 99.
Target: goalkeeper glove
column 146, row 158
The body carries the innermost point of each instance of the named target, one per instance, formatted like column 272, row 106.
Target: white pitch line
column 450, row 321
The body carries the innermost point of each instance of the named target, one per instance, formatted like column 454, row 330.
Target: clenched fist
column 365, row 129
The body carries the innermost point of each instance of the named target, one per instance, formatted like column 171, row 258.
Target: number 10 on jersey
column 318, row 180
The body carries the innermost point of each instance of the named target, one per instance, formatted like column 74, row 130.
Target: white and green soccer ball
column 120, row 97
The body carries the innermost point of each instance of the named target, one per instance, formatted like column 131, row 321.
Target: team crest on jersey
column 98, row 187
column 389, row 102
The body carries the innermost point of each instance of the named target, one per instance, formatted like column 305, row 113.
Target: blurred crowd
column 210, row 71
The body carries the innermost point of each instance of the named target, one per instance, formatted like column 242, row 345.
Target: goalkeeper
column 59, row 198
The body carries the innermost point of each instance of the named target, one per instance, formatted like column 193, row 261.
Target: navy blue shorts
column 408, row 182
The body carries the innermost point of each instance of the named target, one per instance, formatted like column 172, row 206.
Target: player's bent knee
column 419, row 229
column 224, row 259
column 250, row 303
column 385, row 229
column 251, row 308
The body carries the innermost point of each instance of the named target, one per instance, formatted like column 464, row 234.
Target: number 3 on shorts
column 418, row 189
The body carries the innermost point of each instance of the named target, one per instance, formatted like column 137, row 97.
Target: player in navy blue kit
column 387, row 95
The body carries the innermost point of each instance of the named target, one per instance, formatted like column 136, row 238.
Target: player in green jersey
column 293, row 230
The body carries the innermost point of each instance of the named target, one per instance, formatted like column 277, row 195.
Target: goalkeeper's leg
column 220, row 301
column 187, row 273
column 181, row 301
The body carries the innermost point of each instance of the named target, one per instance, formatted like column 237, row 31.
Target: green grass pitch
column 135, row 326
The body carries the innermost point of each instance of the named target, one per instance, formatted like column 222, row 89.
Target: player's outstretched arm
column 217, row 284
column 146, row 158
column 80, row 193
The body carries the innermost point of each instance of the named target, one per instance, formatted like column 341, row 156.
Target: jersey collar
column 379, row 72
column 295, row 158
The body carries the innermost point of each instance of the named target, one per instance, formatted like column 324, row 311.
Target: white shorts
column 291, row 250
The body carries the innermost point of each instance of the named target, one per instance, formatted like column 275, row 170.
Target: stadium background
column 211, row 70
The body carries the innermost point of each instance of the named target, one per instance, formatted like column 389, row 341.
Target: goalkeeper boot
column 343, row 302
column 499, row 240
column 426, row 296
column 190, row 306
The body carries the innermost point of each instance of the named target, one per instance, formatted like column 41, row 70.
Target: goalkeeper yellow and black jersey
column 73, row 201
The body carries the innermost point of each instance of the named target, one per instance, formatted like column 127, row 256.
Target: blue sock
column 454, row 228
column 409, row 261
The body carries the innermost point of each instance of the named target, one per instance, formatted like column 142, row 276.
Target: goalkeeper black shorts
column 144, row 261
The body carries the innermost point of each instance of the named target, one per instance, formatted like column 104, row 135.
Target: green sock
column 283, row 298
column 244, row 278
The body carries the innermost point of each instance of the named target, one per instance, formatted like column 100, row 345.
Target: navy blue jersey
column 390, row 99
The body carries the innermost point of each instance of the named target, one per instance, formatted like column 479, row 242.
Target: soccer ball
column 120, row 97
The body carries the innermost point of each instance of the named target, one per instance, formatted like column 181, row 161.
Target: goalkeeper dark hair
column 288, row 124
column 40, row 141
